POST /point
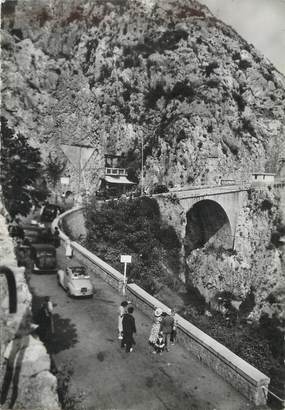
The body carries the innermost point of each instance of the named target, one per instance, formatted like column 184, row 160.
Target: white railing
column 116, row 171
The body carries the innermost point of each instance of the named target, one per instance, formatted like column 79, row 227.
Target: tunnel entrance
column 207, row 222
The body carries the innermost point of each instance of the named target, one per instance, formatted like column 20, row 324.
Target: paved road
column 107, row 378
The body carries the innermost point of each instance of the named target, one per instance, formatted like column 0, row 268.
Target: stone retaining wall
column 25, row 378
column 245, row 378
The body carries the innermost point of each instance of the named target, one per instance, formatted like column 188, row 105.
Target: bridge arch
column 207, row 222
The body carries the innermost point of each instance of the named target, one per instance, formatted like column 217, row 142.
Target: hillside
column 105, row 73
column 204, row 103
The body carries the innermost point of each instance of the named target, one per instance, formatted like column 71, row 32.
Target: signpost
column 64, row 180
column 125, row 259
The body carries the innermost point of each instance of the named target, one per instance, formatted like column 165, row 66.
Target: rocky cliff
column 113, row 75
column 254, row 269
column 106, row 74
column 25, row 378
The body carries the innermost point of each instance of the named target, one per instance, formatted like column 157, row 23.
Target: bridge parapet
column 209, row 191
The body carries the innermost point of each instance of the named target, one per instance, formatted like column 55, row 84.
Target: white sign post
column 64, row 180
column 125, row 259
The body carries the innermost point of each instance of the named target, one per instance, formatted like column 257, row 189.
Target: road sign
column 126, row 258
column 64, row 180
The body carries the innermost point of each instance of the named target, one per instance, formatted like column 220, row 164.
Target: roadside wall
column 25, row 378
column 245, row 378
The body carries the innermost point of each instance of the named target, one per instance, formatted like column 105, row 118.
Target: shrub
column 210, row 68
column 213, row 83
column 132, row 227
column 169, row 39
column 159, row 189
column 244, row 64
column 266, row 205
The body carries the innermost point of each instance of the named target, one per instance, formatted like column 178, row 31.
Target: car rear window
column 79, row 272
column 45, row 253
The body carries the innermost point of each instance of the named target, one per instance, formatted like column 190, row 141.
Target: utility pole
column 79, row 175
column 142, row 181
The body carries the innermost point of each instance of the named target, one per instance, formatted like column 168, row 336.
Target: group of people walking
column 163, row 330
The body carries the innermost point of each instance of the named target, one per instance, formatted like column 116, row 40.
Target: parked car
column 50, row 212
column 44, row 258
column 75, row 281
column 37, row 234
column 33, row 234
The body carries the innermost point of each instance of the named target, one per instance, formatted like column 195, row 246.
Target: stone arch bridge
column 210, row 214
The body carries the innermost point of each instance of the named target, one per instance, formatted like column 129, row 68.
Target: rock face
column 115, row 75
column 255, row 266
column 107, row 73
column 26, row 381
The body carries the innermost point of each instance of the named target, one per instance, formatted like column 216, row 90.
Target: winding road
column 105, row 377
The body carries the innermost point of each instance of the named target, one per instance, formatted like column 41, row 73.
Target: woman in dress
column 155, row 327
column 122, row 310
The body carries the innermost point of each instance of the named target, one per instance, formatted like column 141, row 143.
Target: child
column 159, row 344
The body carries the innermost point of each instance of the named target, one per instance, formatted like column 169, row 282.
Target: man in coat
column 129, row 328
column 167, row 324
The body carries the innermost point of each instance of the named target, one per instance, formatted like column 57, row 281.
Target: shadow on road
column 64, row 335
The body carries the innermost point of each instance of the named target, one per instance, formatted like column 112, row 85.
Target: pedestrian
column 122, row 311
column 44, row 204
column 159, row 345
column 155, row 329
column 68, row 249
column 20, row 232
column 167, row 324
column 173, row 334
column 129, row 328
column 56, row 237
column 46, row 318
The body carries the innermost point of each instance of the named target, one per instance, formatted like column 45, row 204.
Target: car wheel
column 68, row 293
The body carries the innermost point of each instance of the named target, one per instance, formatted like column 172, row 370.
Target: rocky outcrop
column 107, row 73
column 26, row 381
column 256, row 265
column 169, row 75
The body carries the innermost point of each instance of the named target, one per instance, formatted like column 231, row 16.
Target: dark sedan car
column 44, row 258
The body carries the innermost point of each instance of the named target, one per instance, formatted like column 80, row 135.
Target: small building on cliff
column 115, row 181
column 263, row 178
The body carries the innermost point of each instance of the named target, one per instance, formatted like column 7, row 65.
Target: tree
column 54, row 168
column 133, row 227
column 21, row 173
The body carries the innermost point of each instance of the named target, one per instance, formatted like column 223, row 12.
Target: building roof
column 118, row 180
column 263, row 173
column 45, row 246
